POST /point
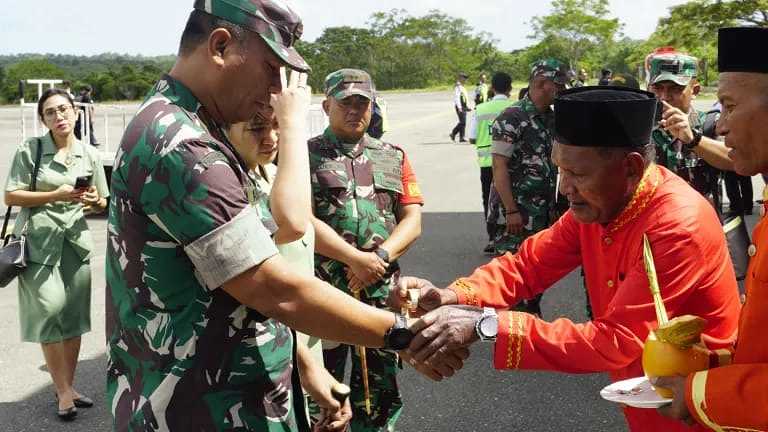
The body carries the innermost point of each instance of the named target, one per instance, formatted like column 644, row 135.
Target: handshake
column 443, row 330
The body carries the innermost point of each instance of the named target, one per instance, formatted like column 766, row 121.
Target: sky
column 153, row 27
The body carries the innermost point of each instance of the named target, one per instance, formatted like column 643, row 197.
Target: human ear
column 218, row 43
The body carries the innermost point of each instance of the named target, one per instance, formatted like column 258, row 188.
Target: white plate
column 634, row 392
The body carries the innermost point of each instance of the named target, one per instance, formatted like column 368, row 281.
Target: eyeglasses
column 61, row 109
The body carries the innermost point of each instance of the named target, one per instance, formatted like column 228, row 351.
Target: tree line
column 402, row 51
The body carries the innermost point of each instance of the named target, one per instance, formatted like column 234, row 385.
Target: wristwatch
column 487, row 326
column 697, row 135
column 383, row 254
column 398, row 336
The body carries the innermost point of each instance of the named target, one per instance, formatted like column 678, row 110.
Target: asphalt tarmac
column 479, row 398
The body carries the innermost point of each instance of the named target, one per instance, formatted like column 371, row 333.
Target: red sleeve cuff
column 508, row 350
column 465, row 293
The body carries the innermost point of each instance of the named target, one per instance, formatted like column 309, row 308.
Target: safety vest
column 485, row 114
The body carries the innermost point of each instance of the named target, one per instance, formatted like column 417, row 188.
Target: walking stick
column 364, row 367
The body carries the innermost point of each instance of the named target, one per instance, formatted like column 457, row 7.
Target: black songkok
column 605, row 117
column 739, row 49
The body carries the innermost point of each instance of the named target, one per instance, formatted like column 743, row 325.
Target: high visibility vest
column 485, row 114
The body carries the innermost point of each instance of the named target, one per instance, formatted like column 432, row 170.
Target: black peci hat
column 605, row 117
column 739, row 49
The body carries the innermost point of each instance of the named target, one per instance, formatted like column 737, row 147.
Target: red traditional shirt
column 682, row 228
column 735, row 397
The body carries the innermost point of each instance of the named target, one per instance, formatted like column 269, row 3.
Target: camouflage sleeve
column 195, row 197
column 506, row 135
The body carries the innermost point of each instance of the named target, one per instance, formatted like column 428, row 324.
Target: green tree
column 28, row 69
column 692, row 27
column 575, row 29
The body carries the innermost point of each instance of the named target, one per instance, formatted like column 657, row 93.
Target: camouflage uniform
column 671, row 154
column 524, row 135
column 680, row 69
column 356, row 189
column 183, row 354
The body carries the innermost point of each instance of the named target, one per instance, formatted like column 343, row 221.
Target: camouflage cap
column 671, row 66
column 348, row 82
column 553, row 69
column 277, row 24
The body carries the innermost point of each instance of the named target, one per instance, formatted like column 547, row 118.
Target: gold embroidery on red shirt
column 468, row 291
column 515, row 346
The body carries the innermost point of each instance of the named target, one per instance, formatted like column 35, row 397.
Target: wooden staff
column 364, row 367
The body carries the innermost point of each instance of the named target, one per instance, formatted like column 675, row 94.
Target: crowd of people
column 251, row 268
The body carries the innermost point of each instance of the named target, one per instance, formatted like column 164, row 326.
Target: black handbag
column 13, row 254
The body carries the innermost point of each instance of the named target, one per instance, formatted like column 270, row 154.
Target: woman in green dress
column 55, row 289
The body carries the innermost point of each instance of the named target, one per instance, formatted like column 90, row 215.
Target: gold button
column 608, row 241
column 752, row 251
column 610, row 284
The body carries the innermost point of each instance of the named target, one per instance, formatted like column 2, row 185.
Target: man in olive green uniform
column 523, row 174
column 672, row 78
column 198, row 299
column 480, row 135
column 365, row 190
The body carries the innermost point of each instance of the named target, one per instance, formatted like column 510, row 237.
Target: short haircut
column 200, row 25
column 648, row 152
column 49, row 94
column 501, row 82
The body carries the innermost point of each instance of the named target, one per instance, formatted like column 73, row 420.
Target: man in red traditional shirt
column 616, row 195
column 734, row 397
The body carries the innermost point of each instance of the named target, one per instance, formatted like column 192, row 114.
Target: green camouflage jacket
column 685, row 163
column 182, row 354
column 525, row 136
column 355, row 190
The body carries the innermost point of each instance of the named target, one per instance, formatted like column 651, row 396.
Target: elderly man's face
column 744, row 116
column 596, row 185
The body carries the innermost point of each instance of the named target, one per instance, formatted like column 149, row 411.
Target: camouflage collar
column 333, row 141
column 528, row 106
column 177, row 93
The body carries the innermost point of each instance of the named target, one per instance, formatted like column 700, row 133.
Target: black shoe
column 80, row 402
column 68, row 414
column 462, row 140
column 83, row 402
column 453, row 137
column 490, row 248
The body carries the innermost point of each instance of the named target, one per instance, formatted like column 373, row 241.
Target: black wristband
column 383, row 254
column 697, row 135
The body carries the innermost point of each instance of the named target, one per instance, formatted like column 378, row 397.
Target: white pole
column 106, row 129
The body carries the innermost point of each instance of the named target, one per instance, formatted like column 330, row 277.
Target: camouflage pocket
column 331, row 190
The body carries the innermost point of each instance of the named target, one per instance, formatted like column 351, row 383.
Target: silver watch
column 487, row 326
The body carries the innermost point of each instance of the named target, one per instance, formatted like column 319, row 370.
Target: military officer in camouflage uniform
column 195, row 287
column 523, row 174
column 672, row 78
column 365, row 191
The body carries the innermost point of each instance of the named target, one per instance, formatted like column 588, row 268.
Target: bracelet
column 511, row 212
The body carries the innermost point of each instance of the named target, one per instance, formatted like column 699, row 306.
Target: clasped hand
column 443, row 330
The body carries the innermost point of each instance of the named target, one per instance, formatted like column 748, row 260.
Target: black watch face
column 400, row 338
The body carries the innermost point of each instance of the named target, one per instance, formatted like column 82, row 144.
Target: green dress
column 55, row 289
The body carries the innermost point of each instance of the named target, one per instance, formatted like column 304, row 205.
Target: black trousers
column 739, row 190
column 486, row 181
column 460, row 127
